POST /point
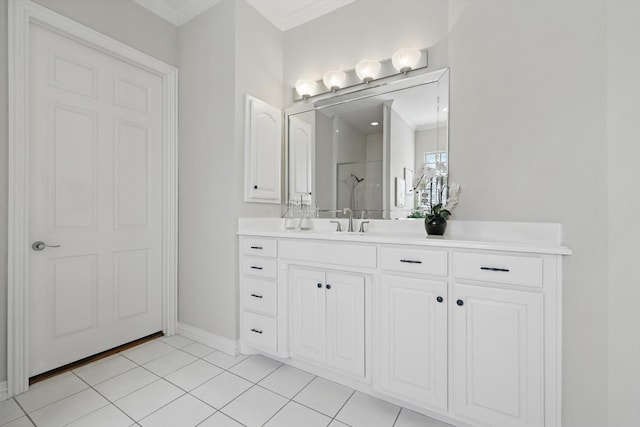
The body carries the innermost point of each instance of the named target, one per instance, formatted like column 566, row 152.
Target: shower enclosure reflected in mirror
column 349, row 151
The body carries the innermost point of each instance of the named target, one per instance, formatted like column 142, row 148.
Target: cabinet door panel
column 308, row 314
column 498, row 348
column 345, row 322
column 413, row 340
column 263, row 134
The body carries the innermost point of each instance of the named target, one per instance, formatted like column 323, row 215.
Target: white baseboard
column 222, row 344
column 4, row 391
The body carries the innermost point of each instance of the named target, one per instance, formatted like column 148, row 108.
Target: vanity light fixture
column 305, row 88
column 368, row 70
column 405, row 60
column 334, row 80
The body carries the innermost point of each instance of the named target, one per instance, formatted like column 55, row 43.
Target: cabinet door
column 300, row 159
column 497, row 356
column 413, row 340
column 263, row 135
column 345, row 322
column 307, row 292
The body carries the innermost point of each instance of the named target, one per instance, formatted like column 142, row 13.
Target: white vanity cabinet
column 327, row 318
column 467, row 331
column 412, row 350
column 259, row 293
column 498, row 340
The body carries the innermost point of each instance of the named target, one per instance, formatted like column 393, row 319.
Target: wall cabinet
column 263, row 151
column 470, row 334
column 327, row 319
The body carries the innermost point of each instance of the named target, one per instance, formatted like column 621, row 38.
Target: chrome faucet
column 344, row 212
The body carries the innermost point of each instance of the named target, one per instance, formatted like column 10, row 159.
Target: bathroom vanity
column 465, row 328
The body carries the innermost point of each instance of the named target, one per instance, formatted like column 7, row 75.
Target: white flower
column 452, row 199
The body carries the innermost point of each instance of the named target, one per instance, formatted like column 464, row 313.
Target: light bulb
column 367, row 70
column 305, row 88
column 405, row 60
column 334, row 80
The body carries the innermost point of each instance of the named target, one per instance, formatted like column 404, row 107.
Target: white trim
column 21, row 14
column 188, row 9
column 223, row 344
column 4, row 394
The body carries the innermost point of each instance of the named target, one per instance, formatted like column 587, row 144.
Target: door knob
column 39, row 246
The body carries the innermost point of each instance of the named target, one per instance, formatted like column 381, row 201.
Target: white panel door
column 497, row 356
column 300, row 159
column 264, row 151
column 345, row 322
column 308, row 314
column 413, row 340
column 95, row 190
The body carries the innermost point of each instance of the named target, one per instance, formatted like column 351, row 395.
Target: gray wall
column 120, row 19
column 623, row 152
column 528, row 140
column 224, row 53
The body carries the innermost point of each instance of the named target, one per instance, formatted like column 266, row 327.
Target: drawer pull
column 411, row 261
column 257, row 331
column 256, row 267
column 257, row 247
column 256, row 296
column 504, row 270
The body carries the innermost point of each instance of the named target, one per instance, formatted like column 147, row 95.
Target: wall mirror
column 381, row 151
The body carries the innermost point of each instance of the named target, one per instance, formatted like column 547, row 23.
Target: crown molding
column 167, row 10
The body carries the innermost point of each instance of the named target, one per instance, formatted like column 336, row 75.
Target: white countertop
column 541, row 238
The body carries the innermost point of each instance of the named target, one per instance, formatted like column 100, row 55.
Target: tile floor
column 176, row 382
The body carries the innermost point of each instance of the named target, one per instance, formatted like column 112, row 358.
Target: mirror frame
column 354, row 93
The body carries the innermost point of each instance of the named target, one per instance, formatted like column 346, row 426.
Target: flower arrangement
column 440, row 210
column 436, row 218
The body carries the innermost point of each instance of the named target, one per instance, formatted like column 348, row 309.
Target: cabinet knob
column 328, row 286
column 439, row 299
column 319, row 285
column 460, row 302
column 255, row 187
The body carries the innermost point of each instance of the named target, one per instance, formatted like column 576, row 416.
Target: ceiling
column 284, row 14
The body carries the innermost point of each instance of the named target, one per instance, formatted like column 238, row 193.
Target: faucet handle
column 362, row 226
column 338, row 227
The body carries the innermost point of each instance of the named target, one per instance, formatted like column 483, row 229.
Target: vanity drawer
column 259, row 296
column 257, row 266
column 347, row 254
column 260, row 331
column 414, row 260
column 259, row 247
column 513, row 270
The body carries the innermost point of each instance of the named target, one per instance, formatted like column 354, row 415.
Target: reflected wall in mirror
column 349, row 151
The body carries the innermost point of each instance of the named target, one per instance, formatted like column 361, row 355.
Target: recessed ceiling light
column 374, row 123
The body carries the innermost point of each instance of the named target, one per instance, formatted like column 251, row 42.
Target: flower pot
column 436, row 226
